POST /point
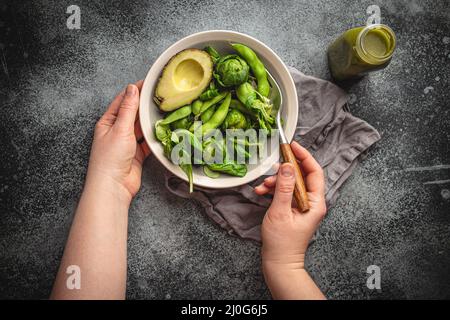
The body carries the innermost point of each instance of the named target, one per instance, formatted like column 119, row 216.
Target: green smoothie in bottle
column 361, row 50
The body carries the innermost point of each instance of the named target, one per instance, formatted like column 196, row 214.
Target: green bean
column 178, row 114
column 196, row 106
column 257, row 67
column 219, row 115
column 207, row 104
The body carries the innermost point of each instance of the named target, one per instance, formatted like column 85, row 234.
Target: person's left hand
column 119, row 149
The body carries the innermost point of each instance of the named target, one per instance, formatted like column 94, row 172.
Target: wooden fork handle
column 300, row 195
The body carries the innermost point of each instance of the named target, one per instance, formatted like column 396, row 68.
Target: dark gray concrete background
column 55, row 83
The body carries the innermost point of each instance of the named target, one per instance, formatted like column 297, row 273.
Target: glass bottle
column 361, row 50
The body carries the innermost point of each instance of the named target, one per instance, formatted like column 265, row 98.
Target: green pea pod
column 257, row 67
column 178, row 114
column 183, row 123
column 196, row 106
column 219, row 116
column 207, row 104
column 208, row 114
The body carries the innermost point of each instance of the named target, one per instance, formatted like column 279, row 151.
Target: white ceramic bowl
column 219, row 39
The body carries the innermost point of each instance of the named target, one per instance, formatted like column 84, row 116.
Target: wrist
column 290, row 283
column 106, row 186
column 283, row 263
column 282, row 259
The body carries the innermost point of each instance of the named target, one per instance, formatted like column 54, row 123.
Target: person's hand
column 285, row 231
column 119, row 149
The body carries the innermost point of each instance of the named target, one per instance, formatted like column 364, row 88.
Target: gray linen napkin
column 336, row 139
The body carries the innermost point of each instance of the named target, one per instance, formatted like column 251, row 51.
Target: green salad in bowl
column 203, row 90
column 207, row 109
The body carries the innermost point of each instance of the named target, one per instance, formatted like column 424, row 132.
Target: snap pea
column 257, row 67
column 205, row 116
column 196, row 106
column 178, row 114
column 219, row 115
column 208, row 114
column 207, row 104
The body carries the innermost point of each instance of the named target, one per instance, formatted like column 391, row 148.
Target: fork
column 300, row 195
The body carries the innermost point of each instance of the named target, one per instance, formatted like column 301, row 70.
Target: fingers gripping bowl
column 150, row 113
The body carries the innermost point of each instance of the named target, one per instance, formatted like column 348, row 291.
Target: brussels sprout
column 231, row 70
column 235, row 120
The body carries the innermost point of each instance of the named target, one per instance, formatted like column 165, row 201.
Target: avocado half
column 183, row 79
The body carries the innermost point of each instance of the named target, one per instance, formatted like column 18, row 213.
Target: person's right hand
column 285, row 231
